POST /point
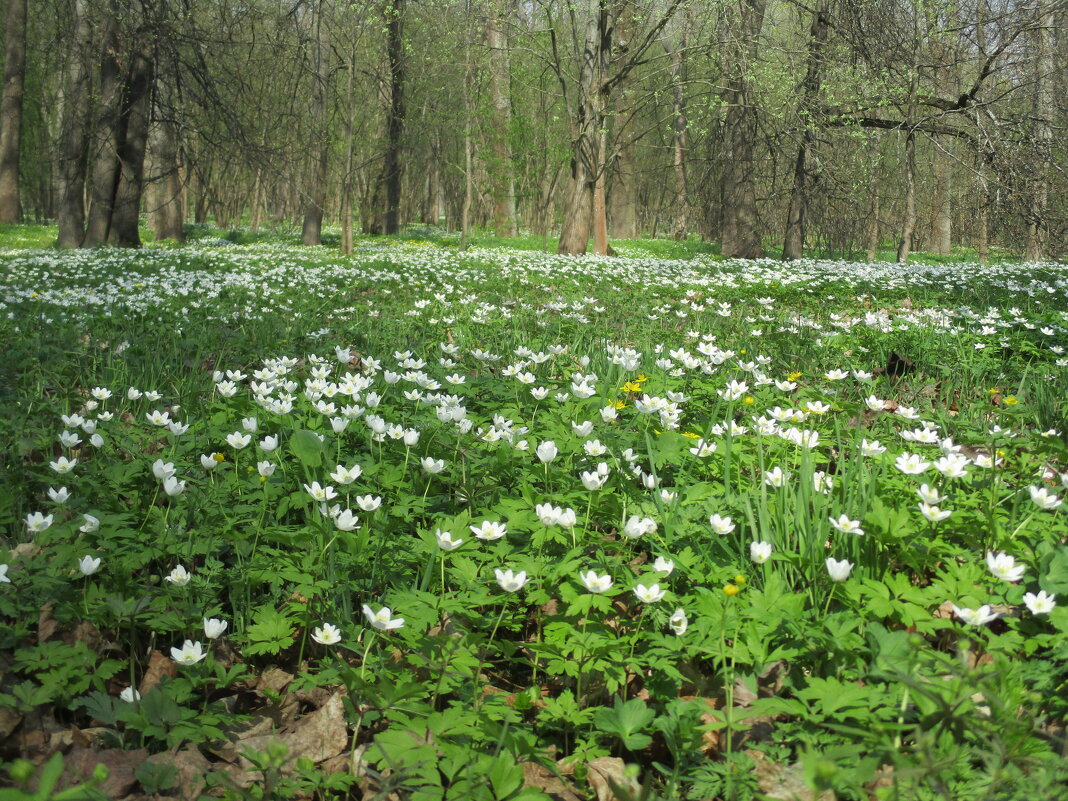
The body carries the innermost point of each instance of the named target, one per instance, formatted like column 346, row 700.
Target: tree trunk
column 106, row 137
column 794, row 241
column 741, row 229
column 678, row 109
column 941, row 220
column 1042, row 138
column 165, row 206
column 502, row 180
column 908, row 225
column 70, row 201
column 312, row 233
column 622, row 197
column 873, row 227
column 11, row 110
column 133, row 125
column 393, row 167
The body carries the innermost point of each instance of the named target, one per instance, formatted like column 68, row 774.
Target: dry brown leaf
column 319, row 736
column 9, row 721
column 192, row 767
column 274, row 679
column 46, row 624
column 604, row 772
column 781, row 782
column 159, row 666
column 81, row 762
column 542, row 778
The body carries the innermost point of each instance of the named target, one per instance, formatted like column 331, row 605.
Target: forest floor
column 423, row 523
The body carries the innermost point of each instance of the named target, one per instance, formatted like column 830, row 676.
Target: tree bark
column 794, row 241
column 70, row 201
column 133, row 124
column 741, row 229
column 106, row 140
column 908, row 224
column 11, row 110
column 501, row 175
column 679, row 150
column 941, row 238
column 1042, row 138
column 393, row 166
column 165, row 203
column 312, row 233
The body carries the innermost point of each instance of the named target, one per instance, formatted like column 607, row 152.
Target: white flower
column 268, row 444
column 265, row 468
column 432, row 466
column 173, row 486
column 721, row 525
column 338, row 424
column 668, row 496
column 162, row 470
column 320, row 493
column 933, row 513
column 594, row 583
column 846, row 526
column 873, row 448
column 37, row 522
column 838, row 571
column 1004, row 567
column 583, row 429
column 88, row 565
column 929, row 495
column 237, row 440
column 1043, row 498
column 446, row 541
column 346, row 521
column 158, row 418
column 1041, row 604
column 69, row 440
column 214, row 628
column 649, row 594
column 346, row 475
column 327, row 634
column 760, row 552
column 975, row 617
column 96, row 441
column 179, row 577
column 133, row 393
column 636, row 527
column 382, row 619
column 593, row 480
column 678, row 622
column 189, row 654
column 368, row 503
column 90, row 525
column 952, row 465
column 489, row 530
column 547, row 451
column 208, row 462
column 911, row 464
column 509, row 581
column 662, row 565
column 63, row 464
column 775, row 477
column 61, row 495
column 130, row 695
column 250, row 424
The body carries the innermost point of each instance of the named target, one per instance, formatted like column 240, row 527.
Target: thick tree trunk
column 794, row 241
column 623, row 194
column 741, row 229
column 941, row 238
column 678, row 110
column 501, row 177
column 133, row 124
column 11, row 110
column 1042, row 138
column 908, row 224
column 312, row 233
column 393, row 167
column 873, row 226
column 106, row 139
column 165, row 201
column 70, row 200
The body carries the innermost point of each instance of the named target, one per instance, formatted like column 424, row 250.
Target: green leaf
column 307, row 447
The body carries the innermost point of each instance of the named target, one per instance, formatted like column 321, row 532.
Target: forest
column 806, row 128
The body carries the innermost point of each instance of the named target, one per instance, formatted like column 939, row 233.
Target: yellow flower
column 748, row 400
column 619, row 405
column 794, row 376
column 731, row 589
column 1011, row 400
column 631, row 386
column 691, row 435
column 642, row 378
column 740, row 580
column 218, row 457
column 743, row 351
